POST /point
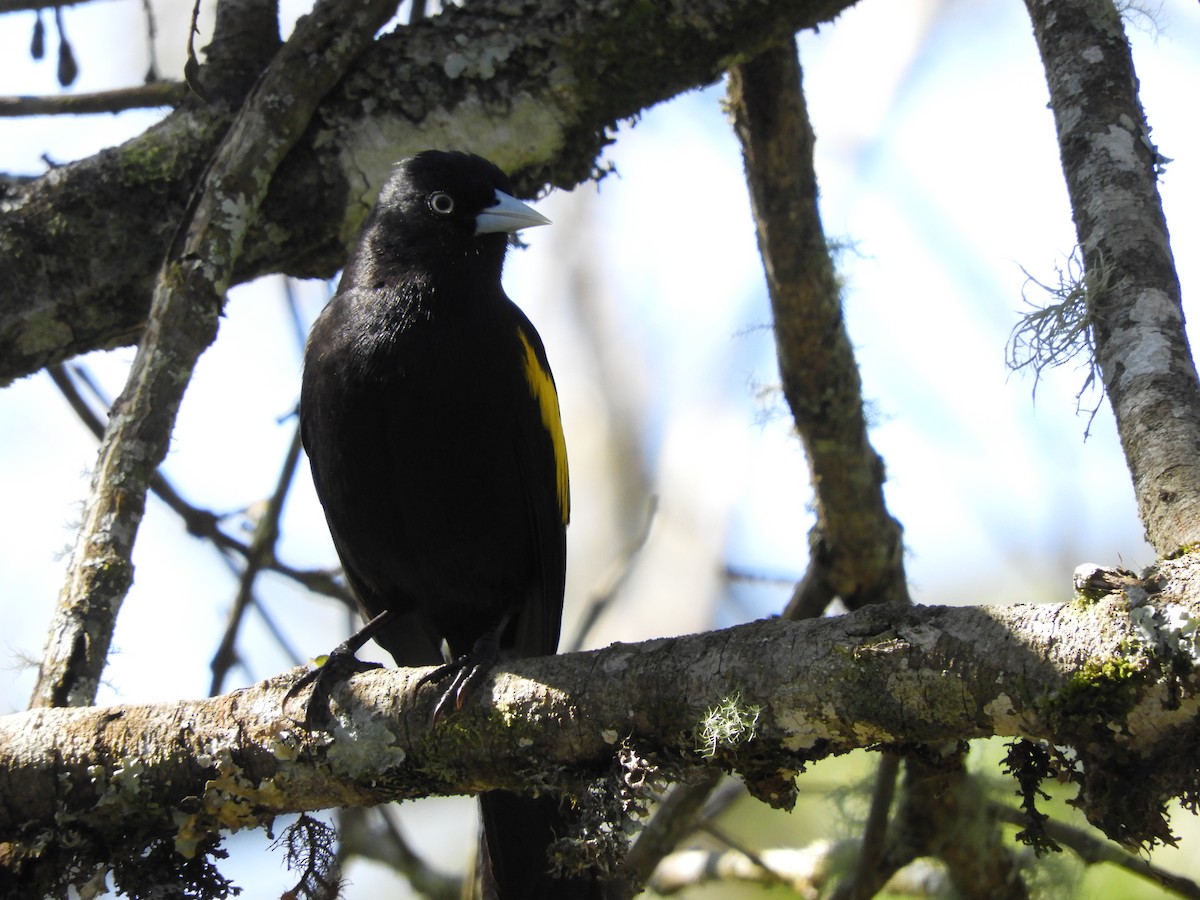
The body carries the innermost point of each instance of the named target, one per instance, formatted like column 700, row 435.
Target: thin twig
column 874, row 837
column 385, row 843
column 294, row 656
column 1092, row 850
column 805, row 870
column 151, row 35
column 262, row 551
column 614, row 578
column 863, row 882
column 292, row 303
column 737, row 573
column 674, row 819
column 145, row 96
column 200, row 523
column 770, row 874
column 7, row 6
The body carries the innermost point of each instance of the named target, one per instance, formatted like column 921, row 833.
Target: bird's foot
column 468, row 670
column 339, row 665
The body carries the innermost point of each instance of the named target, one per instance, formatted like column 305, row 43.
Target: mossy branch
column 601, row 724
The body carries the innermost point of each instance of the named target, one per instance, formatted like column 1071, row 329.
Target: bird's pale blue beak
column 507, row 214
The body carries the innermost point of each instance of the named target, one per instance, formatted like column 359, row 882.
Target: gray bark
column 1112, row 674
column 533, row 86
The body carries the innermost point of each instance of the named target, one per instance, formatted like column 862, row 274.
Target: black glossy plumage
column 430, row 419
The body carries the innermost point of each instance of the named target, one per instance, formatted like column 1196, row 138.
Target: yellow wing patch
column 541, row 386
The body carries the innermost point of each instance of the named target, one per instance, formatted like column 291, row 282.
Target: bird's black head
column 441, row 209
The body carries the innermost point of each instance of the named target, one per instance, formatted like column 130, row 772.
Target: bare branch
column 155, row 94
column 262, row 551
column 674, row 819
column 614, row 578
column 200, row 523
column 1111, row 168
column 7, row 6
column 881, row 676
column 374, row 834
column 855, row 547
column 868, row 871
column 806, row 870
column 1092, row 850
column 183, row 321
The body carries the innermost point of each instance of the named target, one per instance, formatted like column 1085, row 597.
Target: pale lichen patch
column 526, row 129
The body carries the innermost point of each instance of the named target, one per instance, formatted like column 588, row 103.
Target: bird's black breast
column 436, row 471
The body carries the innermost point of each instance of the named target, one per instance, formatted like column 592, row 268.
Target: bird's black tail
column 517, row 831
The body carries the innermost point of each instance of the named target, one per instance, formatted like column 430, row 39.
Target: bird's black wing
column 518, row 830
column 542, row 456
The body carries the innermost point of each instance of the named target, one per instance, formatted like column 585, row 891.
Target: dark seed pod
column 68, row 69
column 37, row 46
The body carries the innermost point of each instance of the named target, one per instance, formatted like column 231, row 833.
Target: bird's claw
column 468, row 671
column 339, row 665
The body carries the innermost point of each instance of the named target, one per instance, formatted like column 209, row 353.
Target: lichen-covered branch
column 1114, row 678
column 855, row 547
column 533, row 85
column 1111, row 168
column 188, row 298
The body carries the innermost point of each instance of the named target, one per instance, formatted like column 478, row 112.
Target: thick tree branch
column 532, row 85
column 188, row 298
column 855, row 547
column 1113, row 678
column 1133, row 295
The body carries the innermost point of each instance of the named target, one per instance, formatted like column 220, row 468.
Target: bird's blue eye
column 441, row 203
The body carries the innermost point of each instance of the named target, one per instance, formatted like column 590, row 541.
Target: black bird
column 431, row 421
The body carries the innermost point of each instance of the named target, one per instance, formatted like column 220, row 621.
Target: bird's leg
column 468, row 670
column 340, row 663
